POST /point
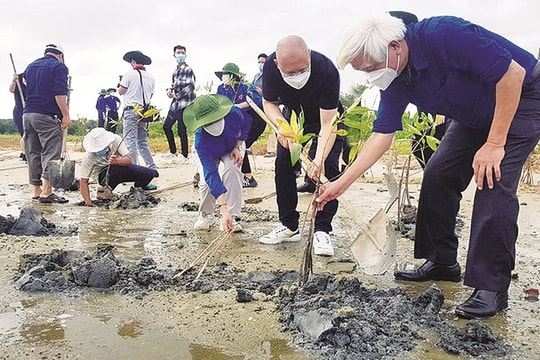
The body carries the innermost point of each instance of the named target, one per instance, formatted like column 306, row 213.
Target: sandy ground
column 173, row 325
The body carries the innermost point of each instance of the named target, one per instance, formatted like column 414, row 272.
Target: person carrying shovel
column 108, row 156
column 45, row 116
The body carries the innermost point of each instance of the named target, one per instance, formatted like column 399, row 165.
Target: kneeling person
column 106, row 150
column 221, row 130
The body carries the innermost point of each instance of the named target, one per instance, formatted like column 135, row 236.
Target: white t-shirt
column 132, row 82
column 93, row 163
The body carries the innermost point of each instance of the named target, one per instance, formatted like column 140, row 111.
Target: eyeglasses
column 296, row 73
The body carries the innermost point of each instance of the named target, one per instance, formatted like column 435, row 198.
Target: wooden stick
column 257, row 200
column 172, row 187
column 206, row 251
column 19, row 88
column 261, row 113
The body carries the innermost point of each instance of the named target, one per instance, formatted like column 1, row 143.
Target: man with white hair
column 46, row 114
column 302, row 80
column 491, row 88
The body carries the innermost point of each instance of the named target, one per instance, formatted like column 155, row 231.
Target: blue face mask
column 102, row 153
column 180, row 58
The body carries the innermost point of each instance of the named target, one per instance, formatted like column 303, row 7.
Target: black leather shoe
column 307, row 187
column 431, row 271
column 483, row 304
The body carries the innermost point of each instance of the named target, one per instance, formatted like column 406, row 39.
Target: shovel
column 62, row 171
column 375, row 246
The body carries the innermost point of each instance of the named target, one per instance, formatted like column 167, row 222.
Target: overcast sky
column 96, row 34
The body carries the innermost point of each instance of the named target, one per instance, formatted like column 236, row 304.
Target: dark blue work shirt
column 100, row 106
column 238, row 95
column 211, row 148
column 111, row 102
column 46, row 78
column 452, row 70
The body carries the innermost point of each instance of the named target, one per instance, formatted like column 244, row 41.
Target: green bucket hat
column 230, row 68
column 206, row 109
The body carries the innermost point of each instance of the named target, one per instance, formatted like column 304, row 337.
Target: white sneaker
column 236, row 226
column 180, row 160
column 204, row 222
column 322, row 245
column 169, row 156
column 280, row 234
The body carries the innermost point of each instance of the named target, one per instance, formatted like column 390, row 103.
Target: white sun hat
column 97, row 139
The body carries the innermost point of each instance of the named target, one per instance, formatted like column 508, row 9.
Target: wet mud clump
column 31, row 223
column 63, row 271
column 44, row 273
column 330, row 317
column 340, row 319
column 133, row 199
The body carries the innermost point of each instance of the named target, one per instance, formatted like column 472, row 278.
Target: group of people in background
column 107, row 106
column 487, row 85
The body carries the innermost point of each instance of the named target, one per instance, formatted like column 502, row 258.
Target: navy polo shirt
column 46, row 78
column 452, row 70
column 320, row 92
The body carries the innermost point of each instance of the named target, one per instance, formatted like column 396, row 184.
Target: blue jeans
column 136, row 138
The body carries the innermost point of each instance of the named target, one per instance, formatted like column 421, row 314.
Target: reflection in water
column 270, row 349
column 132, row 330
column 28, row 303
column 43, row 332
column 201, row 352
column 9, row 323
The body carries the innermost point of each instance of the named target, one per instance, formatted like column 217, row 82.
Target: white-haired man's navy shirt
column 453, row 69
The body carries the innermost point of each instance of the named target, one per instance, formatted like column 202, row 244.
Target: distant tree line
column 78, row 127
column 82, row 126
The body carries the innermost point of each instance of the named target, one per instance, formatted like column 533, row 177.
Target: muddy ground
column 113, row 284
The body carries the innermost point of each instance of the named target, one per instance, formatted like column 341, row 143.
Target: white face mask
column 226, row 79
column 297, row 81
column 382, row 78
column 215, row 128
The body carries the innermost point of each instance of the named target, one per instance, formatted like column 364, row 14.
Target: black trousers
column 139, row 175
column 172, row 118
column 494, row 230
column 256, row 129
column 287, row 197
column 112, row 121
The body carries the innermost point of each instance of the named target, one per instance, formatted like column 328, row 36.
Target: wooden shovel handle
column 64, row 143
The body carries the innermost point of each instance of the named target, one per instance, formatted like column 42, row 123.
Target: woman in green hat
column 220, row 132
column 236, row 89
